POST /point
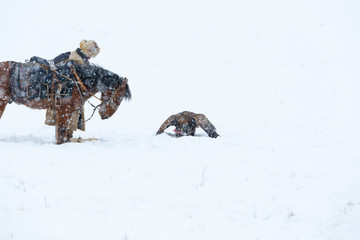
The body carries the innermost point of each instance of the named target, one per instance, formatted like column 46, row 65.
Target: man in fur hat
column 88, row 49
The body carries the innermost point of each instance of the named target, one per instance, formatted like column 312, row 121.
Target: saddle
column 64, row 57
column 41, row 79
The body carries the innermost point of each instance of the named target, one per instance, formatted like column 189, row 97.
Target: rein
column 111, row 101
column 82, row 84
column 95, row 107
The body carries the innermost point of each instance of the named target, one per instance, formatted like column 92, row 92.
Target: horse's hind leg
column 4, row 99
column 2, row 106
column 4, row 85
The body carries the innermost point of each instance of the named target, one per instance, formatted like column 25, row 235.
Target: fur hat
column 89, row 48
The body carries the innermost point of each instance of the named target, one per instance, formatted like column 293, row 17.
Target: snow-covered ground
column 279, row 79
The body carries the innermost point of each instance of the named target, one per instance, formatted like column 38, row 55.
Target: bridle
column 109, row 102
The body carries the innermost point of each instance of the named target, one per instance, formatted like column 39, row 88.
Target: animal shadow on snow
column 26, row 139
column 196, row 135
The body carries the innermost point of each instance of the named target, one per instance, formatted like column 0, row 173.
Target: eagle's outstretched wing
column 206, row 125
column 169, row 122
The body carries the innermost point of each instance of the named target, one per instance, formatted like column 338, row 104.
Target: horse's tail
column 127, row 93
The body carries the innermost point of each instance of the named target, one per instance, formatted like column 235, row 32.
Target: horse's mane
column 95, row 75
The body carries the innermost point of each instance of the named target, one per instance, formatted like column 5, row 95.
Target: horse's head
column 113, row 88
column 112, row 97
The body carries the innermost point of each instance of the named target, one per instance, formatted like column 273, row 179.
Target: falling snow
column 279, row 80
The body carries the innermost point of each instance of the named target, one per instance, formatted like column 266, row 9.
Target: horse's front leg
column 69, row 134
column 63, row 119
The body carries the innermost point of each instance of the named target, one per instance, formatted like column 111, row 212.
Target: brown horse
column 86, row 81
